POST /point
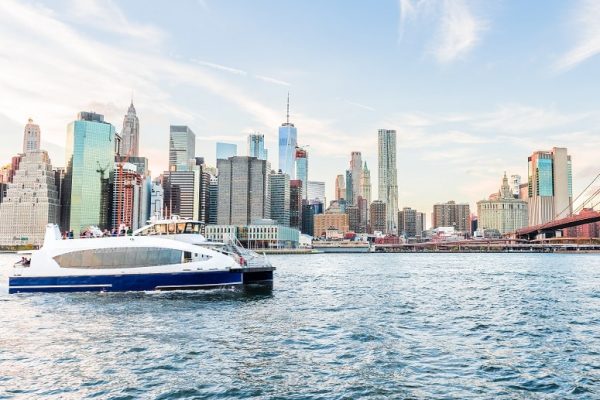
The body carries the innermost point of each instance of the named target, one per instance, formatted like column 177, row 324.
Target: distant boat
column 341, row 246
column 128, row 263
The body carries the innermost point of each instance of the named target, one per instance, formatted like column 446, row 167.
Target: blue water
column 504, row 326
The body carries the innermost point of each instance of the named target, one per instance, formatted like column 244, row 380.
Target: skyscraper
column 363, row 208
column 226, row 150
column 127, row 197
column 181, row 194
column 515, row 185
column 90, row 158
column 157, row 197
column 279, row 188
column 288, row 141
column 243, row 190
column 387, row 176
column 550, row 191
column 451, row 214
column 256, row 146
column 302, row 169
column 349, row 187
column 316, row 192
column 213, row 200
column 130, row 135
column 31, row 137
column 378, row 216
column 295, row 204
column 411, row 223
column 182, row 147
column 31, row 201
column 356, row 169
column 407, row 222
column 365, row 183
column 340, row 187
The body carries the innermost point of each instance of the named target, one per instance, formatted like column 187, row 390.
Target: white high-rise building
column 130, row 136
column 31, row 202
column 31, row 137
column 356, row 170
column 157, row 196
column 515, row 185
column 388, row 176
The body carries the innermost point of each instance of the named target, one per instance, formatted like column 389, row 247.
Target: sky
column 471, row 87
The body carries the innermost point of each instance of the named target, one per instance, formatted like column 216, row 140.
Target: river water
column 501, row 326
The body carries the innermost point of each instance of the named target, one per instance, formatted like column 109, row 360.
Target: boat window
column 133, row 257
column 161, row 229
column 191, row 227
column 171, row 228
column 181, row 227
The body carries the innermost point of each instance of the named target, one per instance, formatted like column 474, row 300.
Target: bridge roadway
column 490, row 246
column 531, row 232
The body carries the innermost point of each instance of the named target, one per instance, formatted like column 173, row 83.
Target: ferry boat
column 189, row 231
column 128, row 263
column 340, row 246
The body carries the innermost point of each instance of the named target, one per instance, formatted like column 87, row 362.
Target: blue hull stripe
column 125, row 282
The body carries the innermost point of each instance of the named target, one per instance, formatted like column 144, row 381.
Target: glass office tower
column 90, row 160
column 256, row 146
column 288, row 141
column 302, row 170
column 550, row 185
column 182, row 147
column 226, row 150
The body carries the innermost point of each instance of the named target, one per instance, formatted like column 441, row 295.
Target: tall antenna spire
column 288, row 108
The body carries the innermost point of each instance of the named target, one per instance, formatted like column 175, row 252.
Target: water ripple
column 504, row 326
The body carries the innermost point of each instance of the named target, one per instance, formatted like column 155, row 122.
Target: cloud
column 358, row 105
column 584, row 22
column 74, row 71
column 240, row 72
column 457, row 30
column 105, row 15
column 272, row 80
column 220, row 67
column 516, row 119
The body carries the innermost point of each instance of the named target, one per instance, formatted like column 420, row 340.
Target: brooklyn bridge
column 583, row 214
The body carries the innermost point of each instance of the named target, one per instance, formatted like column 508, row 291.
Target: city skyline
column 450, row 130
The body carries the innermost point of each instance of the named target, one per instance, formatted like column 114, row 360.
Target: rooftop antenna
column 288, row 108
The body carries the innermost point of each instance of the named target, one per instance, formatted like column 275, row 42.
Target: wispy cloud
column 457, row 29
column 358, row 105
column 81, row 77
column 105, row 15
column 584, row 22
column 272, row 80
column 240, row 72
column 220, row 67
